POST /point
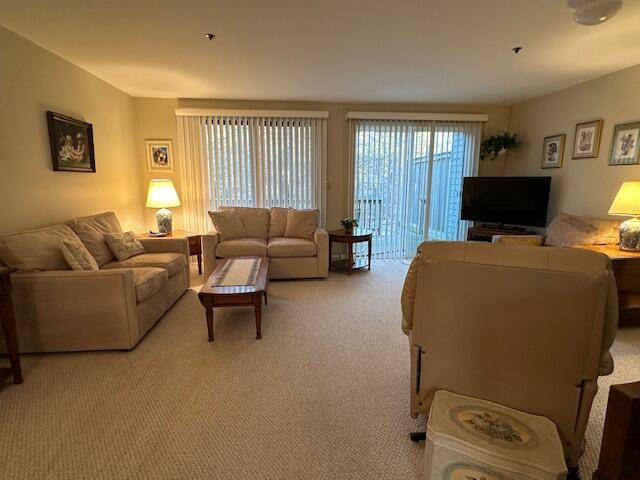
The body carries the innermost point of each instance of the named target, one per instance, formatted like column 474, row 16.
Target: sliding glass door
column 408, row 180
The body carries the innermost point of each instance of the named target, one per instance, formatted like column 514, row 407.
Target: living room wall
column 156, row 120
column 585, row 186
column 33, row 81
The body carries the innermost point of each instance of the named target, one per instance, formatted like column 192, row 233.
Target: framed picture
column 159, row 156
column 553, row 151
column 71, row 144
column 586, row 143
column 624, row 150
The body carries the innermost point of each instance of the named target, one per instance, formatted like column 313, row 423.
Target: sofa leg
column 418, row 436
column 573, row 474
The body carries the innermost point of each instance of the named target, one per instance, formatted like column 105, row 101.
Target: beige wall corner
column 31, row 193
column 584, row 186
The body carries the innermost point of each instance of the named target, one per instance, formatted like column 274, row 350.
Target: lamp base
column 630, row 235
column 165, row 223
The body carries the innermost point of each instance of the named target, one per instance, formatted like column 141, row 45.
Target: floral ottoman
column 472, row 439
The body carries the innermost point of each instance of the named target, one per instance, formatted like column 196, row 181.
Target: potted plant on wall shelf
column 348, row 223
column 497, row 145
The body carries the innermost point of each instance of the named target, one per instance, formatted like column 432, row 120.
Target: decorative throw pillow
column 301, row 223
column 124, row 245
column 77, row 255
column 228, row 225
column 278, row 222
column 566, row 230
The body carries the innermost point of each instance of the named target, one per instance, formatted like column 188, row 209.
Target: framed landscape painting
column 71, row 143
column 624, row 149
column 159, row 155
column 586, row 143
column 553, row 151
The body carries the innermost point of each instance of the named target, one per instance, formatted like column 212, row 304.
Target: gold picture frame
column 553, row 151
column 586, row 142
column 625, row 146
column 159, row 155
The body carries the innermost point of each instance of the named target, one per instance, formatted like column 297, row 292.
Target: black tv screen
column 506, row 200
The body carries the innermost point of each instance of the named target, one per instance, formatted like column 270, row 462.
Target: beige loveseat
column 522, row 326
column 265, row 229
column 60, row 309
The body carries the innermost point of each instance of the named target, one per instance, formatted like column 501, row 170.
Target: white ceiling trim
column 208, row 112
column 446, row 117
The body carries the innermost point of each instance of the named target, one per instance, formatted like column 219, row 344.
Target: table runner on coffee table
column 238, row 272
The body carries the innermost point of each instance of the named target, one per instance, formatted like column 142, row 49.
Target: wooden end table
column 626, row 270
column 349, row 238
column 9, row 328
column 620, row 450
column 235, row 296
column 195, row 243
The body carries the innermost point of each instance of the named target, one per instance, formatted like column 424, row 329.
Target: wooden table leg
column 199, row 255
column 349, row 258
column 207, row 303
column 330, row 253
column 369, row 251
column 258, row 309
column 9, row 328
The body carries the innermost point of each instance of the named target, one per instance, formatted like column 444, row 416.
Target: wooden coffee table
column 235, row 296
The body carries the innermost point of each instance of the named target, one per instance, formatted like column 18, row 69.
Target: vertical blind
column 407, row 180
column 255, row 161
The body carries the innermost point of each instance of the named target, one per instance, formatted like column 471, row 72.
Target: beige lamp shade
column 627, row 201
column 162, row 194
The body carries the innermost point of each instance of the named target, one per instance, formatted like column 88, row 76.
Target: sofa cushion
column 301, row 223
column 124, row 245
column 282, row 247
column 172, row 262
column 91, row 231
column 242, row 247
column 228, row 224
column 148, row 281
column 36, row 250
column 278, row 222
column 566, row 230
column 255, row 221
column 77, row 255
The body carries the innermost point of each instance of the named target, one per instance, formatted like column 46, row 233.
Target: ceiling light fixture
column 210, row 36
column 594, row 12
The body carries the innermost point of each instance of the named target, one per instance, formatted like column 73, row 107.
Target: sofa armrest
column 321, row 239
column 534, row 240
column 210, row 241
column 168, row 245
column 408, row 298
column 75, row 310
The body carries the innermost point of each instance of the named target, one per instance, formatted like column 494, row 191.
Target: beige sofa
column 290, row 257
column 521, row 326
column 59, row 309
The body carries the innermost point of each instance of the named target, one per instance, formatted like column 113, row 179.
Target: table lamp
column 627, row 202
column 162, row 194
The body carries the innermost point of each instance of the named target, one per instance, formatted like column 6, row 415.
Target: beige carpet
column 323, row 395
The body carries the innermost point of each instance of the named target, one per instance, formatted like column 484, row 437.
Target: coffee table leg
column 209, row 311
column 258, row 310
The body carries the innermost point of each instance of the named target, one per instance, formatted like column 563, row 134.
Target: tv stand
column 485, row 233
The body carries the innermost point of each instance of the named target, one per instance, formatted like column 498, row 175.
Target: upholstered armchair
column 522, row 326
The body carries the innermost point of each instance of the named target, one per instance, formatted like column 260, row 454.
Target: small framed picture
column 553, row 151
column 624, row 150
column 159, row 155
column 586, row 143
column 71, row 143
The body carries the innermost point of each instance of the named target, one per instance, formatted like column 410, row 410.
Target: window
column 407, row 176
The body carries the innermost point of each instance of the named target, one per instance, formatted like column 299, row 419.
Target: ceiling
column 331, row 50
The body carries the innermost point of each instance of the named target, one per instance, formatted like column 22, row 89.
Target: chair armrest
column 534, row 240
column 210, row 241
column 75, row 309
column 408, row 299
column 321, row 239
column 168, row 245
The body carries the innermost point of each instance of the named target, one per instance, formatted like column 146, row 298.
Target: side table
column 9, row 328
column 349, row 238
column 195, row 243
column 620, row 450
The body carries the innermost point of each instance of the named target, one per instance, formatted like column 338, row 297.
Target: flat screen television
column 506, row 200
